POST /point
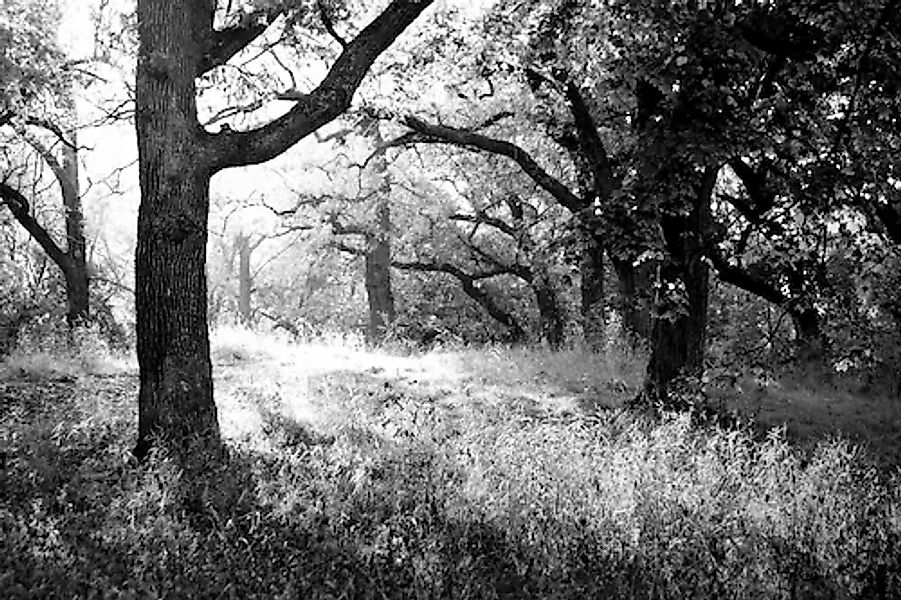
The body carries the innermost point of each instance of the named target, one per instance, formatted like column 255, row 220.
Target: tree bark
column 591, row 286
column 551, row 318
column 76, row 270
column 176, row 395
column 679, row 334
column 378, row 255
column 378, row 290
column 678, row 339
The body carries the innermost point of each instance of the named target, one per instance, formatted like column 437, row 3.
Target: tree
column 71, row 258
column 642, row 184
column 37, row 96
column 177, row 158
column 378, row 247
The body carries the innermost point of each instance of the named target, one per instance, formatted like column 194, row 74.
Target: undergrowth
column 410, row 500
column 50, row 350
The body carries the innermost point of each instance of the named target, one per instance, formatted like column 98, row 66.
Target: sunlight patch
column 241, row 421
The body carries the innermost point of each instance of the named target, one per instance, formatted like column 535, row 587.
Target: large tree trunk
column 679, row 333
column 176, row 405
column 592, row 291
column 678, row 339
column 75, row 270
column 378, row 255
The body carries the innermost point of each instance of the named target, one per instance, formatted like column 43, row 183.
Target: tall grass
column 403, row 494
column 52, row 350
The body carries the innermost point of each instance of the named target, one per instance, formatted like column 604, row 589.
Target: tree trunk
column 245, row 279
column 176, row 159
column 378, row 287
column 176, row 405
column 809, row 342
column 634, row 295
column 76, row 270
column 592, row 291
column 484, row 299
column 378, row 255
column 679, row 333
column 551, row 318
column 678, row 339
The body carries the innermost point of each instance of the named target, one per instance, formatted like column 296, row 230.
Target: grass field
column 457, row 473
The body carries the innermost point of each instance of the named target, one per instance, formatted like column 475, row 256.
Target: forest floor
column 462, row 473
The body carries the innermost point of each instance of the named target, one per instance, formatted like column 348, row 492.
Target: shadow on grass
column 366, row 516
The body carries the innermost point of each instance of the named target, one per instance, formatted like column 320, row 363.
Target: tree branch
column 330, row 99
column 762, row 197
column 425, row 133
column 69, row 187
column 743, row 279
column 329, row 25
column 21, row 210
column 8, row 117
column 223, row 44
column 339, row 228
column 347, row 249
column 590, row 142
column 498, row 224
column 470, row 287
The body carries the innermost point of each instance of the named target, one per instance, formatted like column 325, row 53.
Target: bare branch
column 346, row 248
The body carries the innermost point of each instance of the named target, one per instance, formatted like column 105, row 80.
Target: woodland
column 450, row 299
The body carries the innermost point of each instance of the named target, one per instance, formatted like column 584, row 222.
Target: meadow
column 450, row 473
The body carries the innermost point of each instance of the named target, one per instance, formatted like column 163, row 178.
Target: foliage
column 29, row 60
